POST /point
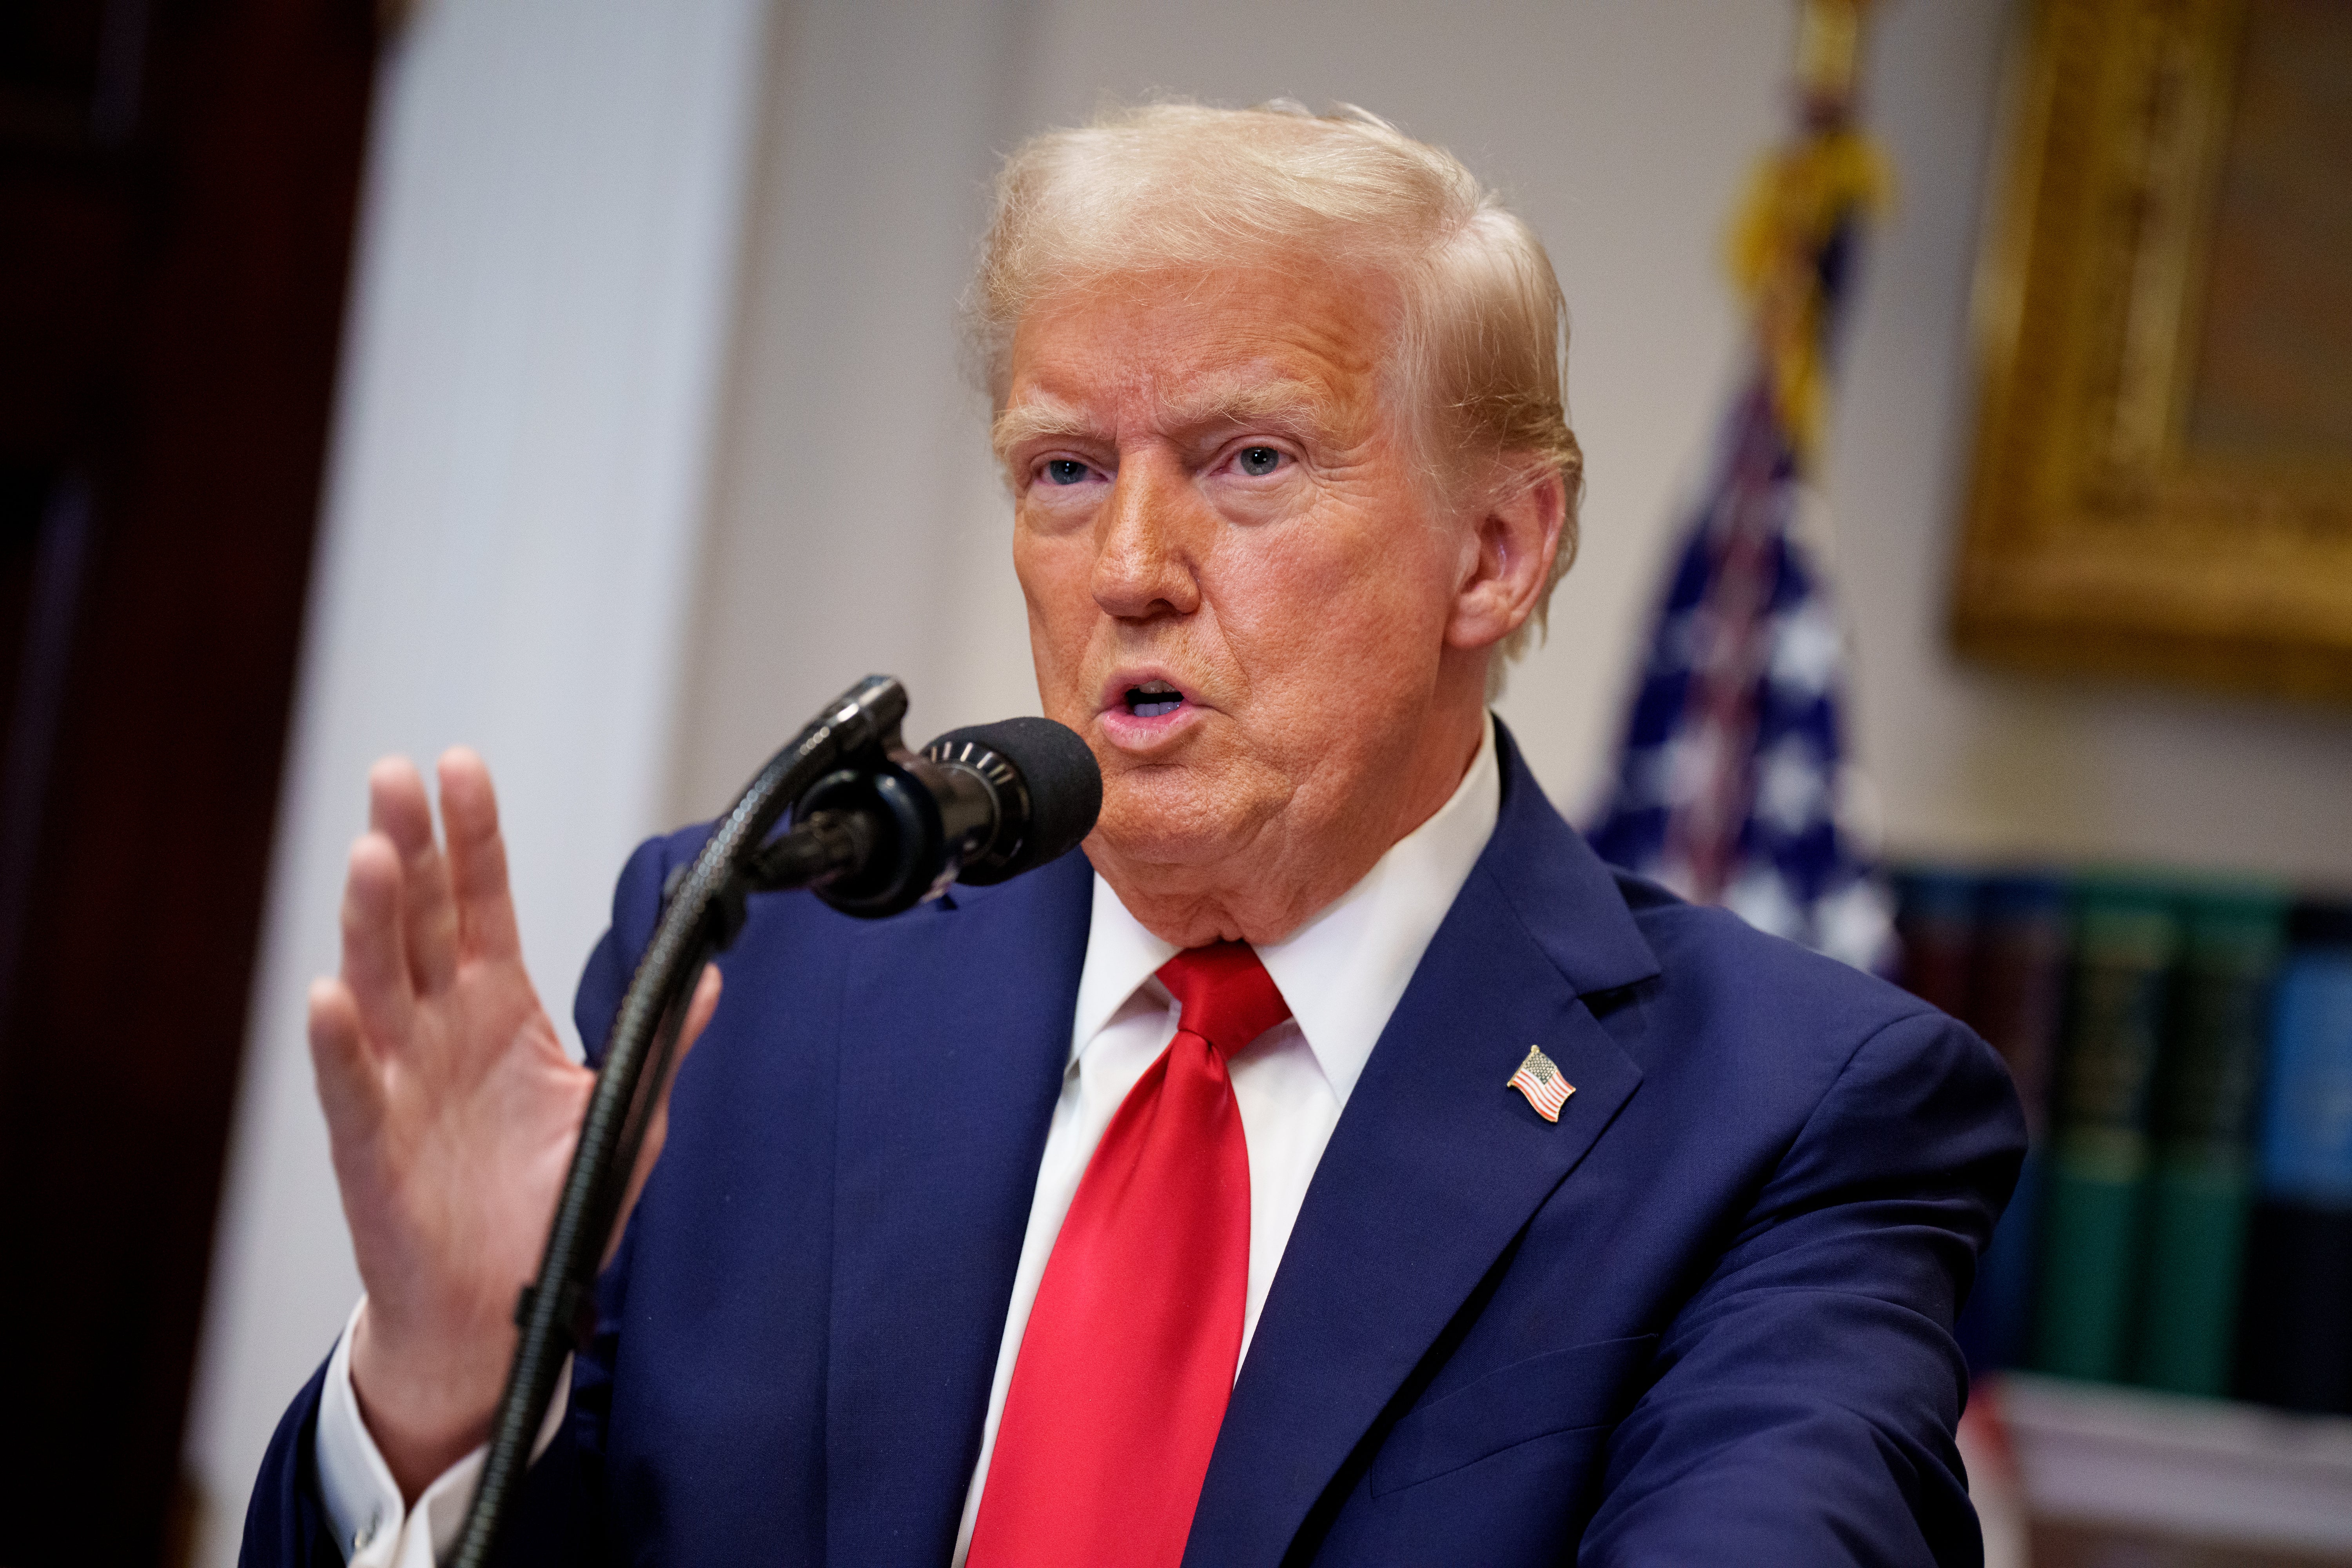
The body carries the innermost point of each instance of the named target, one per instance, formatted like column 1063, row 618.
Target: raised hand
column 451, row 1108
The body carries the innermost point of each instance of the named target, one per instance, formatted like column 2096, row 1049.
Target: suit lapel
column 1434, row 1167
column 948, row 1082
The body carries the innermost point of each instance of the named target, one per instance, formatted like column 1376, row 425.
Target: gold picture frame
column 2162, row 485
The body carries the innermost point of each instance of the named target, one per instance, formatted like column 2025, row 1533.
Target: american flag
column 1732, row 787
column 1539, row 1078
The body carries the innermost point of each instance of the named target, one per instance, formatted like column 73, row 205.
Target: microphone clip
column 887, row 827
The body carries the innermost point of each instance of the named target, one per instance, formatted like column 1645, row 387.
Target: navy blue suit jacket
column 1706, row 1318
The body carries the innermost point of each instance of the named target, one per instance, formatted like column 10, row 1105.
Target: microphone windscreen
column 1063, row 782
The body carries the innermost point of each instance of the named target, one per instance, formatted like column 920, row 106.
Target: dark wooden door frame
column 177, row 186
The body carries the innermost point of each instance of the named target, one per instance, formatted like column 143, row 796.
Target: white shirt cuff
column 372, row 1526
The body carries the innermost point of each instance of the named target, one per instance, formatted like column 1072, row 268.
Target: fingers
column 376, row 958
column 698, row 1010
column 478, row 859
column 348, row 1090
column 397, row 809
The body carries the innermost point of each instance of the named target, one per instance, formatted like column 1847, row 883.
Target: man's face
column 1237, row 590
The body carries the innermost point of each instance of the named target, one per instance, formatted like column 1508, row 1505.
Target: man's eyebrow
column 1035, row 419
column 1295, row 406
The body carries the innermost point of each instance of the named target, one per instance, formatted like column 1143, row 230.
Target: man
column 1337, row 1166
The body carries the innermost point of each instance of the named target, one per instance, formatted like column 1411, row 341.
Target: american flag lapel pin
column 1540, row 1079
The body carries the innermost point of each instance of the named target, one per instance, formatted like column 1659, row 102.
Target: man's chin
column 1166, row 823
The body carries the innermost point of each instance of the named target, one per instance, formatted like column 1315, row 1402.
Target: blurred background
column 579, row 381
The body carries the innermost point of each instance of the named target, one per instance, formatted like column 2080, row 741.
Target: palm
column 481, row 1110
column 451, row 1107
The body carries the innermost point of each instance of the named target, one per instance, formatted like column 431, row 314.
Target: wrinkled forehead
column 1193, row 349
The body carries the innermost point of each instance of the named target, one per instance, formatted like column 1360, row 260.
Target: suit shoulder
column 1743, row 1030
column 1716, row 968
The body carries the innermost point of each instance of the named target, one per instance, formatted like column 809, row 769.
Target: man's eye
column 1258, row 461
column 1066, row 471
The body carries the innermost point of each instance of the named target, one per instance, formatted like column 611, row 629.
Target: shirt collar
column 1345, row 970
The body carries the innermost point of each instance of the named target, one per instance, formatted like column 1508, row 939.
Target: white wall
column 520, row 460
column 856, row 526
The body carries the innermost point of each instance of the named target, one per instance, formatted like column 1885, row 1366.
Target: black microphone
column 890, row 829
column 1043, row 785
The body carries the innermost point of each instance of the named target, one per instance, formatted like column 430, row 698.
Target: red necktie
column 1129, row 1358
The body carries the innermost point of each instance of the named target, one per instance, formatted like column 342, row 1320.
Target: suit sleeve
column 286, row 1523
column 1810, row 1385
column 558, row 1513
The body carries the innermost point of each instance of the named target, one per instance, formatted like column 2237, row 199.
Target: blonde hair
column 1482, row 331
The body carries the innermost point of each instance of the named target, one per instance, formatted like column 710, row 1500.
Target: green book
column 2127, row 936
column 2201, row 1187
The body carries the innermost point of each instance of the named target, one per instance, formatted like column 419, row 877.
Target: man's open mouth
column 1152, row 698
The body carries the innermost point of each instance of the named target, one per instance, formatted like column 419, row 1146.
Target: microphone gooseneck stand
column 878, row 829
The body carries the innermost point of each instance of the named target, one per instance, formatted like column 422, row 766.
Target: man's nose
column 1146, row 542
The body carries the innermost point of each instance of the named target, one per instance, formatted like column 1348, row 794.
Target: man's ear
column 1506, row 559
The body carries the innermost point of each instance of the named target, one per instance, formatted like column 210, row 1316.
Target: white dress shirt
column 364, row 1505
column 1343, row 972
